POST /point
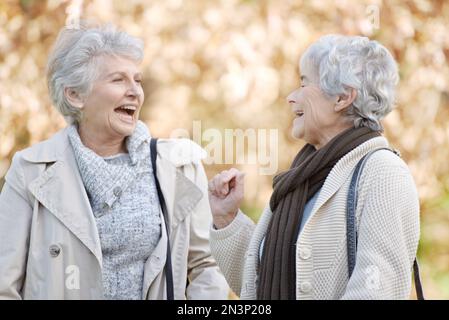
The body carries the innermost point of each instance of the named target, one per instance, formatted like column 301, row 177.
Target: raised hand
column 225, row 196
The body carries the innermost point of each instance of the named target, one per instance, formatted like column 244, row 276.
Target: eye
column 138, row 81
column 117, row 79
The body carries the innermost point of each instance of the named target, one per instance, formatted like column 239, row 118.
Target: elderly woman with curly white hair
column 343, row 221
column 101, row 210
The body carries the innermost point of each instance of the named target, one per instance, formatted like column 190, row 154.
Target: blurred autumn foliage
column 230, row 64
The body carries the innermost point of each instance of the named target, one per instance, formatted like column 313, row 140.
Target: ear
column 344, row 101
column 74, row 98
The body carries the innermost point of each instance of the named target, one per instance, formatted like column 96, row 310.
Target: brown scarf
column 292, row 189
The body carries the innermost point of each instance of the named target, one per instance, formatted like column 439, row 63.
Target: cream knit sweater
column 388, row 235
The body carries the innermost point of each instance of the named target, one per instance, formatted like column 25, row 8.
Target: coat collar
column 60, row 188
column 49, row 150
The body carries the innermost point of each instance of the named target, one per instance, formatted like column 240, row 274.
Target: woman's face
column 314, row 111
column 113, row 106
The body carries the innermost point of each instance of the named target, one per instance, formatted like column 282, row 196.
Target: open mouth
column 126, row 112
column 299, row 113
column 126, row 109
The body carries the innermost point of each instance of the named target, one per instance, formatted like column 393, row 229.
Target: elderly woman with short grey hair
column 343, row 221
column 101, row 209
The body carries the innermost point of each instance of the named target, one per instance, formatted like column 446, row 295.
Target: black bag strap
column 351, row 228
column 168, row 264
column 418, row 283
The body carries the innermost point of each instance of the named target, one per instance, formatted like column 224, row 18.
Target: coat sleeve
column 205, row 280
column 387, row 238
column 15, row 222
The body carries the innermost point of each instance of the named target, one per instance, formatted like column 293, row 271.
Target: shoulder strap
column 168, row 264
column 351, row 228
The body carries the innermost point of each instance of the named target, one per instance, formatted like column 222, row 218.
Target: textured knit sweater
column 123, row 197
column 388, row 233
column 306, row 215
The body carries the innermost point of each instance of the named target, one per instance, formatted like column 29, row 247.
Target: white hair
column 344, row 62
column 73, row 62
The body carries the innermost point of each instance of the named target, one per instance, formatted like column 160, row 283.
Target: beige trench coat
column 50, row 247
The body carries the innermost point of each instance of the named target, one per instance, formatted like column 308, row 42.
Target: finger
column 223, row 188
column 237, row 178
column 229, row 174
column 217, row 185
column 226, row 178
column 221, row 181
column 238, row 182
column 240, row 177
column 223, row 185
column 212, row 187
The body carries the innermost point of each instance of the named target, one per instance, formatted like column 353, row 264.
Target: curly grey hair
column 344, row 62
column 73, row 62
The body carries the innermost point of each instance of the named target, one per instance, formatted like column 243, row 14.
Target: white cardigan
column 388, row 234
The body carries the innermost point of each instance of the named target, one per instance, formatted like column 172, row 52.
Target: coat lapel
column 180, row 193
column 61, row 191
column 181, row 196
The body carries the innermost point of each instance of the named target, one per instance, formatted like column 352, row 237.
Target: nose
column 291, row 98
column 133, row 91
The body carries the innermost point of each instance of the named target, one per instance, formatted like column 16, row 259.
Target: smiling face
column 112, row 108
column 315, row 116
